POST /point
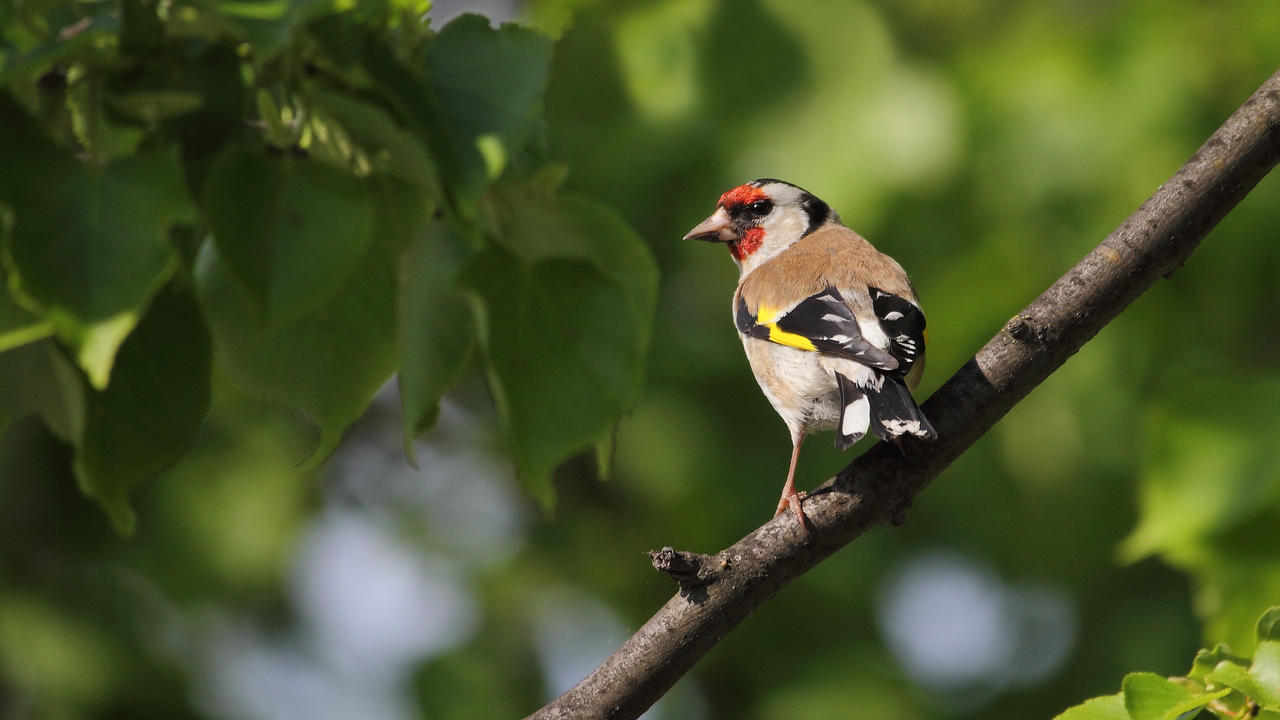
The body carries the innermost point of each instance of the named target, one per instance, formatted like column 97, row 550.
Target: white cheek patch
column 785, row 224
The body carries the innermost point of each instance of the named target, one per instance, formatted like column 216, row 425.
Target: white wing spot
column 898, row 426
column 895, row 315
column 857, row 416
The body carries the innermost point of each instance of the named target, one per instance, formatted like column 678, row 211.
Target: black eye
column 760, row 208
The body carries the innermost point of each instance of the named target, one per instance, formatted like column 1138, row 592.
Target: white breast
column 800, row 389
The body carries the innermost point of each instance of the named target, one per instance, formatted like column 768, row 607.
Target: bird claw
column 793, row 502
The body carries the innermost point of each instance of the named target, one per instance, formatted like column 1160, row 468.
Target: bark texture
column 719, row 591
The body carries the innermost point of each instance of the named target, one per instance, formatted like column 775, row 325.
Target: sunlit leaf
column 1107, row 707
column 1269, row 625
column 1206, row 660
column 1265, row 670
column 1238, row 677
column 1148, row 696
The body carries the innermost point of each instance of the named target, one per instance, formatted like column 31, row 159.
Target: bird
column 832, row 328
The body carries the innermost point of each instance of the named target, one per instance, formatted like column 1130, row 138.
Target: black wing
column 821, row 322
column 904, row 323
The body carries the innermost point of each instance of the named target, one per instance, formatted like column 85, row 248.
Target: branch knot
column 1022, row 328
column 690, row 570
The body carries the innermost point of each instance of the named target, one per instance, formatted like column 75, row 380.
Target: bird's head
column 761, row 219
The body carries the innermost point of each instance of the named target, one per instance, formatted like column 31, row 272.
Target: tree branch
column 718, row 592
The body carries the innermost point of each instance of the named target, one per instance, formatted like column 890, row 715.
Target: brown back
column 831, row 256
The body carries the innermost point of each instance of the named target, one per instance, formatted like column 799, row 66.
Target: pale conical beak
column 717, row 228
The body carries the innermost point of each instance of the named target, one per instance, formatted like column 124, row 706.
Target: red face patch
column 742, row 195
column 750, row 242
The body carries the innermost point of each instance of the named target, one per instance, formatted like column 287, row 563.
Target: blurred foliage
column 214, row 209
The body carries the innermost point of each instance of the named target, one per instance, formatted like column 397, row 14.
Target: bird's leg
column 790, row 498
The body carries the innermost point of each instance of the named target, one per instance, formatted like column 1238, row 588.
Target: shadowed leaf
column 291, row 230
column 153, row 408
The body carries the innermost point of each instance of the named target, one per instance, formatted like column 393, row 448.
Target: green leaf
column 561, row 345
column 152, row 106
column 566, row 309
column 1269, row 625
column 539, row 225
column 103, row 140
column 1148, row 696
column 485, row 83
column 37, row 378
column 391, row 148
column 291, row 230
column 328, row 362
column 89, row 37
column 437, row 327
column 1106, row 707
column 88, row 245
column 1206, row 660
column 1261, row 681
column 153, row 409
column 1233, row 675
column 555, row 340
column 17, row 325
column 1266, row 673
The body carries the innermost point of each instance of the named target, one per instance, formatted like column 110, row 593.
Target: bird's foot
column 793, row 502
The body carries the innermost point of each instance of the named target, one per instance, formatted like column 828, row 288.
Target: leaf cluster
column 1226, row 685
column 312, row 196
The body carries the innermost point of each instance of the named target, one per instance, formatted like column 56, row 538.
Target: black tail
column 894, row 412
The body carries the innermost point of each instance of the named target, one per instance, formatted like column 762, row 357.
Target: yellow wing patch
column 789, row 339
column 768, row 316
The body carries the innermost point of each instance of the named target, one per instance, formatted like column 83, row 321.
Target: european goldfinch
column 832, row 328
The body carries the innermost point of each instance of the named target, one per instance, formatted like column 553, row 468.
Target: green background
column 1122, row 516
